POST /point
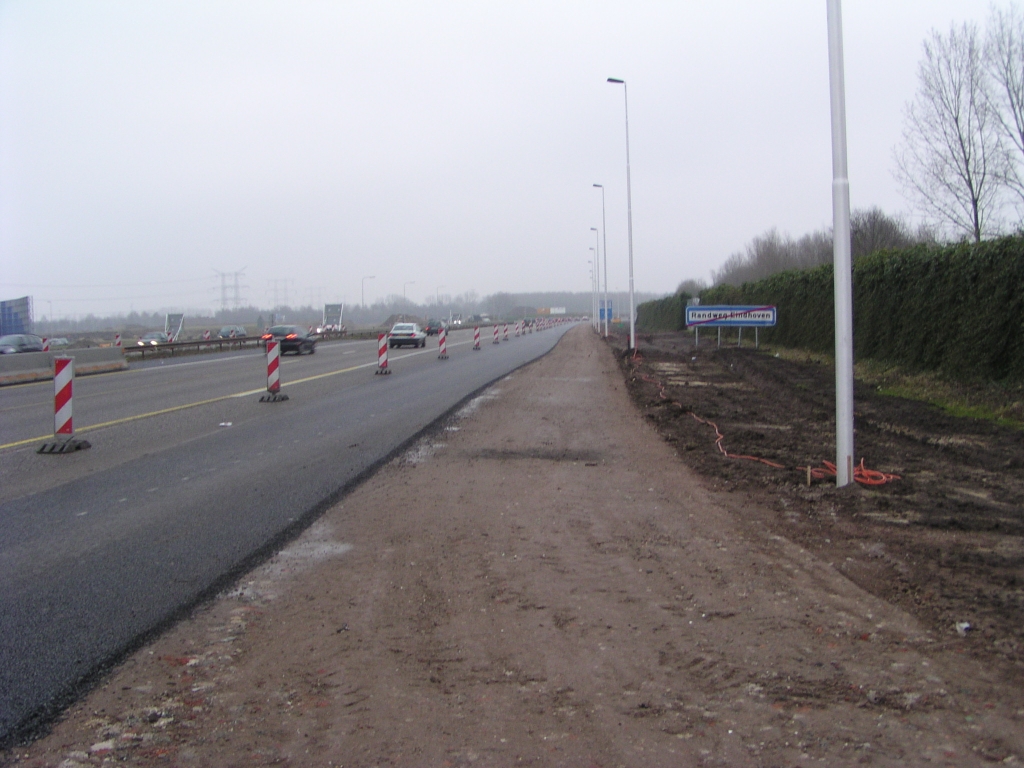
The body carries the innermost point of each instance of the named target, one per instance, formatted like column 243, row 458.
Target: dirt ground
column 551, row 579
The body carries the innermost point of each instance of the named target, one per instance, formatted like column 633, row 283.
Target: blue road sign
column 731, row 316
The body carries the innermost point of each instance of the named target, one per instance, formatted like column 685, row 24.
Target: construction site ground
column 569, row 571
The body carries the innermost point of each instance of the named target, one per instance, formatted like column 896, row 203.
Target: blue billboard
column 16, row 316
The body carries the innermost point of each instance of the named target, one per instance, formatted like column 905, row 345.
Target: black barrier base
column 476, row 348
column 273, row 397
column 442, row 357
column 64, row 446
column 382, row 371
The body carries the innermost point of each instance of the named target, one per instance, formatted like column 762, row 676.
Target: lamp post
column 597, row 277
column 843, row 274
column 629, row 220
column 362, row 294
column 604, row 230
column 437, row 295
column 591, row 262
column 593, row 289
column 410, row 282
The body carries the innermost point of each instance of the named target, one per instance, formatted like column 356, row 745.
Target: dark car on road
column 293, row 338
column 20, row 342
column 432, row 328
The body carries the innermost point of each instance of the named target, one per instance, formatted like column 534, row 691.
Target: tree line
column 961, row 161
column 871, row 230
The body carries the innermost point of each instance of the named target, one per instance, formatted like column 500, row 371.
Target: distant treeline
column 498, row 306
column 871, row 230
column 958, row 309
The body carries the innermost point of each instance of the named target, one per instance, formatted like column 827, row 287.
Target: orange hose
column 861, row 474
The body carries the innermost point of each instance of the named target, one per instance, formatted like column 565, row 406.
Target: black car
column 293, row 338
column 432, row 328
column 20, row 342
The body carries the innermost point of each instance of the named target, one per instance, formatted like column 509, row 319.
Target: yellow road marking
column 248, row 393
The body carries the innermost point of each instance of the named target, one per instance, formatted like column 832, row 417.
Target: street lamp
column 593, row 290
column 437, row 295
column 604, row 230
column 629, row 219
column 362, row 294
column 410, row 282
column 597, row 277
column 843, row 271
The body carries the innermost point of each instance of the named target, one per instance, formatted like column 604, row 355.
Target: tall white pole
column 629, row 220
column 593, row 294
column 841, row 250
column 604, row 235
column 597, row 279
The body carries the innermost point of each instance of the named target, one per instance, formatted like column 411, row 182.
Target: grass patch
column 986, row 400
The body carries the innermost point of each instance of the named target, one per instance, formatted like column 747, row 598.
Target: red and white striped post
column 63, row 384
column 273, row 373
column 505, row 335
column 442, row 343
column 382, row 354
column 206, row 335
column 476, row 338
column 273, row 366
column 63, row 424
column 46, row 344
column 117, row 340
column 517, row 328
column 496, row 335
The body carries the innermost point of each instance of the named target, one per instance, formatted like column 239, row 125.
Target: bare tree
column 952, row 162
column 691, row 287
column 873, row 230
column 1004, row 61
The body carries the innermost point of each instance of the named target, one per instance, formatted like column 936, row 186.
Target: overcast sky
column 146, row 145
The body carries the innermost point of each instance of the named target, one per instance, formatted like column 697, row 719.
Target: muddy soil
column 546, row 580
column 945, row 542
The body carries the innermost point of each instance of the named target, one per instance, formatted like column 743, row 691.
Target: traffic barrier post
column 382, row 355
column 117, row 340
column 506, row 332
column 517, row 329
column 273, row 373
column 476, row 338
column 63, row 424
column 46, row 344
column 442, row 343
column 496, row 335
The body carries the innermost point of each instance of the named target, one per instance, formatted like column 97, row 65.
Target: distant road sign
column 724, row 315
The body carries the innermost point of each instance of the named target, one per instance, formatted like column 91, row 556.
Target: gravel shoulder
column 544, row 581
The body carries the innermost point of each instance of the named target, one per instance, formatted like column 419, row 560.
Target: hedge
column 668, row 314
column 957, row 309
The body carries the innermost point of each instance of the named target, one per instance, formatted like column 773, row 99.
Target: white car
column 406, row 333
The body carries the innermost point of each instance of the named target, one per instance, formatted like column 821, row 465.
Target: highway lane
column 26, row 410
column 100, row 547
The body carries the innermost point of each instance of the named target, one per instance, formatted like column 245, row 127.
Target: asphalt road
column 190, row 479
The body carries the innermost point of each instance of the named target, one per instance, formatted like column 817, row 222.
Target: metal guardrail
column 172, row 348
